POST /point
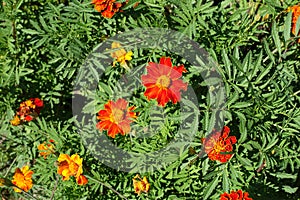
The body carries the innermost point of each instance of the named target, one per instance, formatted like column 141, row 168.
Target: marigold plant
column 46, row 149
column 116, row 117
column 71, row 166
column 163, row 81
column 27, row 111
column 218, row 145
column 108, row 8
column 120, row 55
column 23, row 179
column 238, row 195
column 140, row 185
column 295, row 15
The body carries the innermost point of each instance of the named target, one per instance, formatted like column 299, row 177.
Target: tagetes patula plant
column 71, row 166
column 116, row 117
column 120, row 55
column 46, row 149
column 28, row 110
column 140, row 185
column 295, row 16
column 108, row 8
column 238, row 195
column 22, row 179
column 218, row 145
column 163, row 81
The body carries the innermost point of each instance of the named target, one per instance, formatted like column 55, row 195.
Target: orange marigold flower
column 116, row 117
column 15, row 121
column 71, row 166
column 163, row 81
column 22, row 179
column 45, row 149
column 108, row 8
column 27, row 111
column 120, row 55
column 2, row 181
column 140, row 185
column 295, row 15
column 238, row 195
column 218, row 145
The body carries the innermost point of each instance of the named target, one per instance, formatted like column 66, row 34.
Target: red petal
column 165, row 61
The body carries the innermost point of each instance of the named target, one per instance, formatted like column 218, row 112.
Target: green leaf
column 30, row 31
column 287, row 26
column 210, row 188
column 289, row 189
column 275, row 36
column 244, row 161
column 268, row 51
column 241, row 105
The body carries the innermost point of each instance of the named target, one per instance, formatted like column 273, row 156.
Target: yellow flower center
column 163, row 81
column 117, row 115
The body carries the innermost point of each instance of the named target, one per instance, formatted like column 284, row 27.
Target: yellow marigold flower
column 45, row 149
column 120, row 55
column 140, row 185
column 22, row 179
column 2, row 181
column 71, row 166
column 15, row 121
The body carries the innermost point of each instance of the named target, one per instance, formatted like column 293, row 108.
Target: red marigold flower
column 163, row 81
column 107, row 7
column 218, row 145
column 27, row 111
column 22, row 179
column 116, row 117
column 238, row 195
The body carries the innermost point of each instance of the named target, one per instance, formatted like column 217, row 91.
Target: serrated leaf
column 210, row 188
column 287, row 26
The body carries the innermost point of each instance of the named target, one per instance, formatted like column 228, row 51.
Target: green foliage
column 43, row 45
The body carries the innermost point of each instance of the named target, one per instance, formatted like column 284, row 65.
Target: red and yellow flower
column 163, row 81
column 71, row 166
column 27, row 111
column 140, row 185
column 238, row 195
column 218, row 145
column 108, row 8
column 120, row 55
column 46, row 149
column 22, row 179
column 295, row 15
column 116, row 117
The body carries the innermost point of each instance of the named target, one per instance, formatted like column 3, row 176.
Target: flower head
column 45, row 149
column 295, row 16
column 27, row 111
column 22, row 179
column 120, row 55
column 108, row 8
column 238, row 195
column 71, row 166
column 116, row 117
column 140, row 185
column 218, row 145
column 163, row 81
column 2, row 181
